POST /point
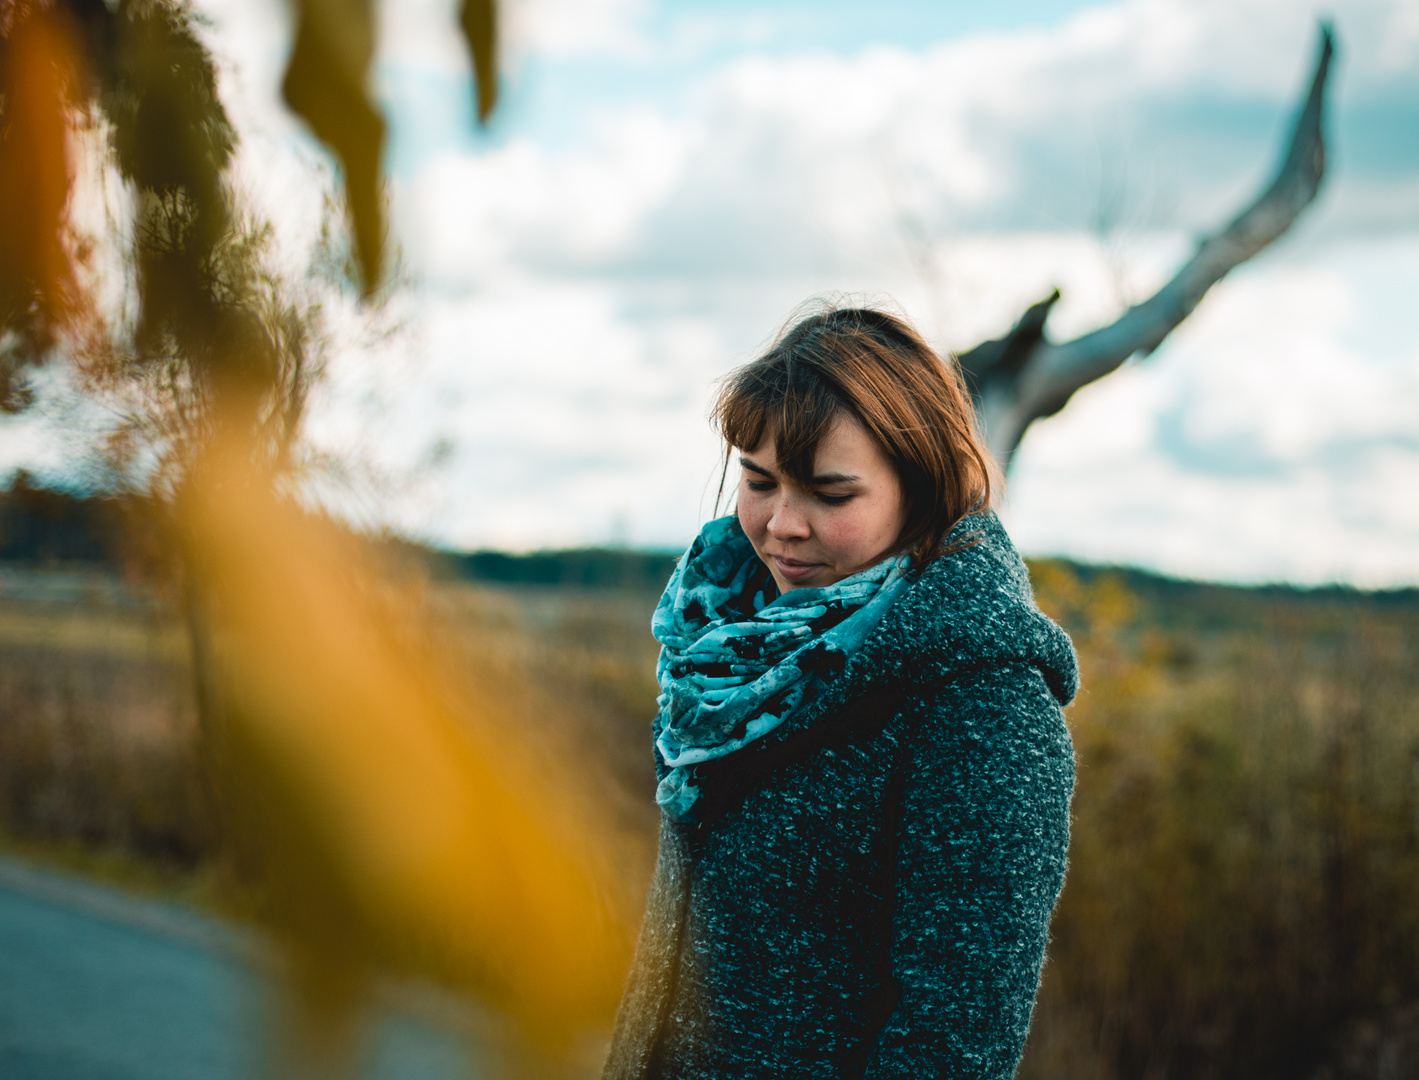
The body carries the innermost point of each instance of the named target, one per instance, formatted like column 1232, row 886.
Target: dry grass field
column 100, row 747
column 1243, row 897
column 98, row 727
column 1243, row 892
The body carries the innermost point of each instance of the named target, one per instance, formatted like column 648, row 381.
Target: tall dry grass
column 1244, row 873
column 98, row 736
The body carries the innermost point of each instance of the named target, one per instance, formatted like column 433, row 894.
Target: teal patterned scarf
column 737, row 658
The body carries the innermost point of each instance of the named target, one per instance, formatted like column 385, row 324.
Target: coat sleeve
column 981, row 839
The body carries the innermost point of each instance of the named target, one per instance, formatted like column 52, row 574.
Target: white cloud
column 469, row 216
column 562, row 417
column 812, row 160
column 563, row 29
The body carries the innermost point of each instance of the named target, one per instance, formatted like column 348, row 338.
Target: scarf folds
column 737, row 658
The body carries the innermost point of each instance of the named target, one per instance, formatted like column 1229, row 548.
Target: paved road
column 95, row 985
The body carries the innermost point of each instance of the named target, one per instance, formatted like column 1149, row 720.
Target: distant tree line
column 1206, row 606
column 589, row 568
column 44, row 526
column 39, row 525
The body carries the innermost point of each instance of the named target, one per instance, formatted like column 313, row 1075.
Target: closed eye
column 831, row 500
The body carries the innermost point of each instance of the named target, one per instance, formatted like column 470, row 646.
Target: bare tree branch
column 1022, row 377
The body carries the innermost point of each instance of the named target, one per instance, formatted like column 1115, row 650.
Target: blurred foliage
column 129, row 91
column 379, row 814
column 390, row 819
column 479, row 22
column 39, row 86
column 327, row 84
column 134, row 81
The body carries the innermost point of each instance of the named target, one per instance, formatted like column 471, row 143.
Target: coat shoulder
column 971, row 610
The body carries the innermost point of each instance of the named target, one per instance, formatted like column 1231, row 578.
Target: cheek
column 753, row 516
column 847, row 536
column 861, row 535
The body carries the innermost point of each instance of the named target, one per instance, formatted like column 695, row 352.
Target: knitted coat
column 869, row 889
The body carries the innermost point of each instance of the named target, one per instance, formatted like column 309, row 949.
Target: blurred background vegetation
column 1243, row 895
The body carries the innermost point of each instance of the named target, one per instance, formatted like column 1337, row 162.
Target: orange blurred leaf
column 38, row 79
column 326, row 85
column 410, row 820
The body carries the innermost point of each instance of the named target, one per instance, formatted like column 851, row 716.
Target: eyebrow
column 817, row 481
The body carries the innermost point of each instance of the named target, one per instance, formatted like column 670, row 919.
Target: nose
column 788, row 521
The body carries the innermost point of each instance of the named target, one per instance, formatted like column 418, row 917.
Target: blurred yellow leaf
column 479, row 19
column 326, row 85
column 408, row 828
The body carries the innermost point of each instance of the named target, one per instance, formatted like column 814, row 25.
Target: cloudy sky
column 666, row 180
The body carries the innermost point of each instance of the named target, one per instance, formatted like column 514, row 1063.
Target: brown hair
column 872, row 366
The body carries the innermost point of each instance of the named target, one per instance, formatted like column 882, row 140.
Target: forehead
column 845, row 447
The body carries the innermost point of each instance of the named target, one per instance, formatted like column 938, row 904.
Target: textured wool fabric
column 868, row 889
column 738, row 658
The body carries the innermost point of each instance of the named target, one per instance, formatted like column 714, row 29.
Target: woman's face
column 846, row 520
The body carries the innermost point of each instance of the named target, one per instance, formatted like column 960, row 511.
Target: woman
column 864, row 770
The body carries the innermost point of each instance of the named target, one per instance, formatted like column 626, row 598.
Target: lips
column 793, row 570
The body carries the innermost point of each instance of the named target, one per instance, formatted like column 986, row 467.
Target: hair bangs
column 789, row 402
